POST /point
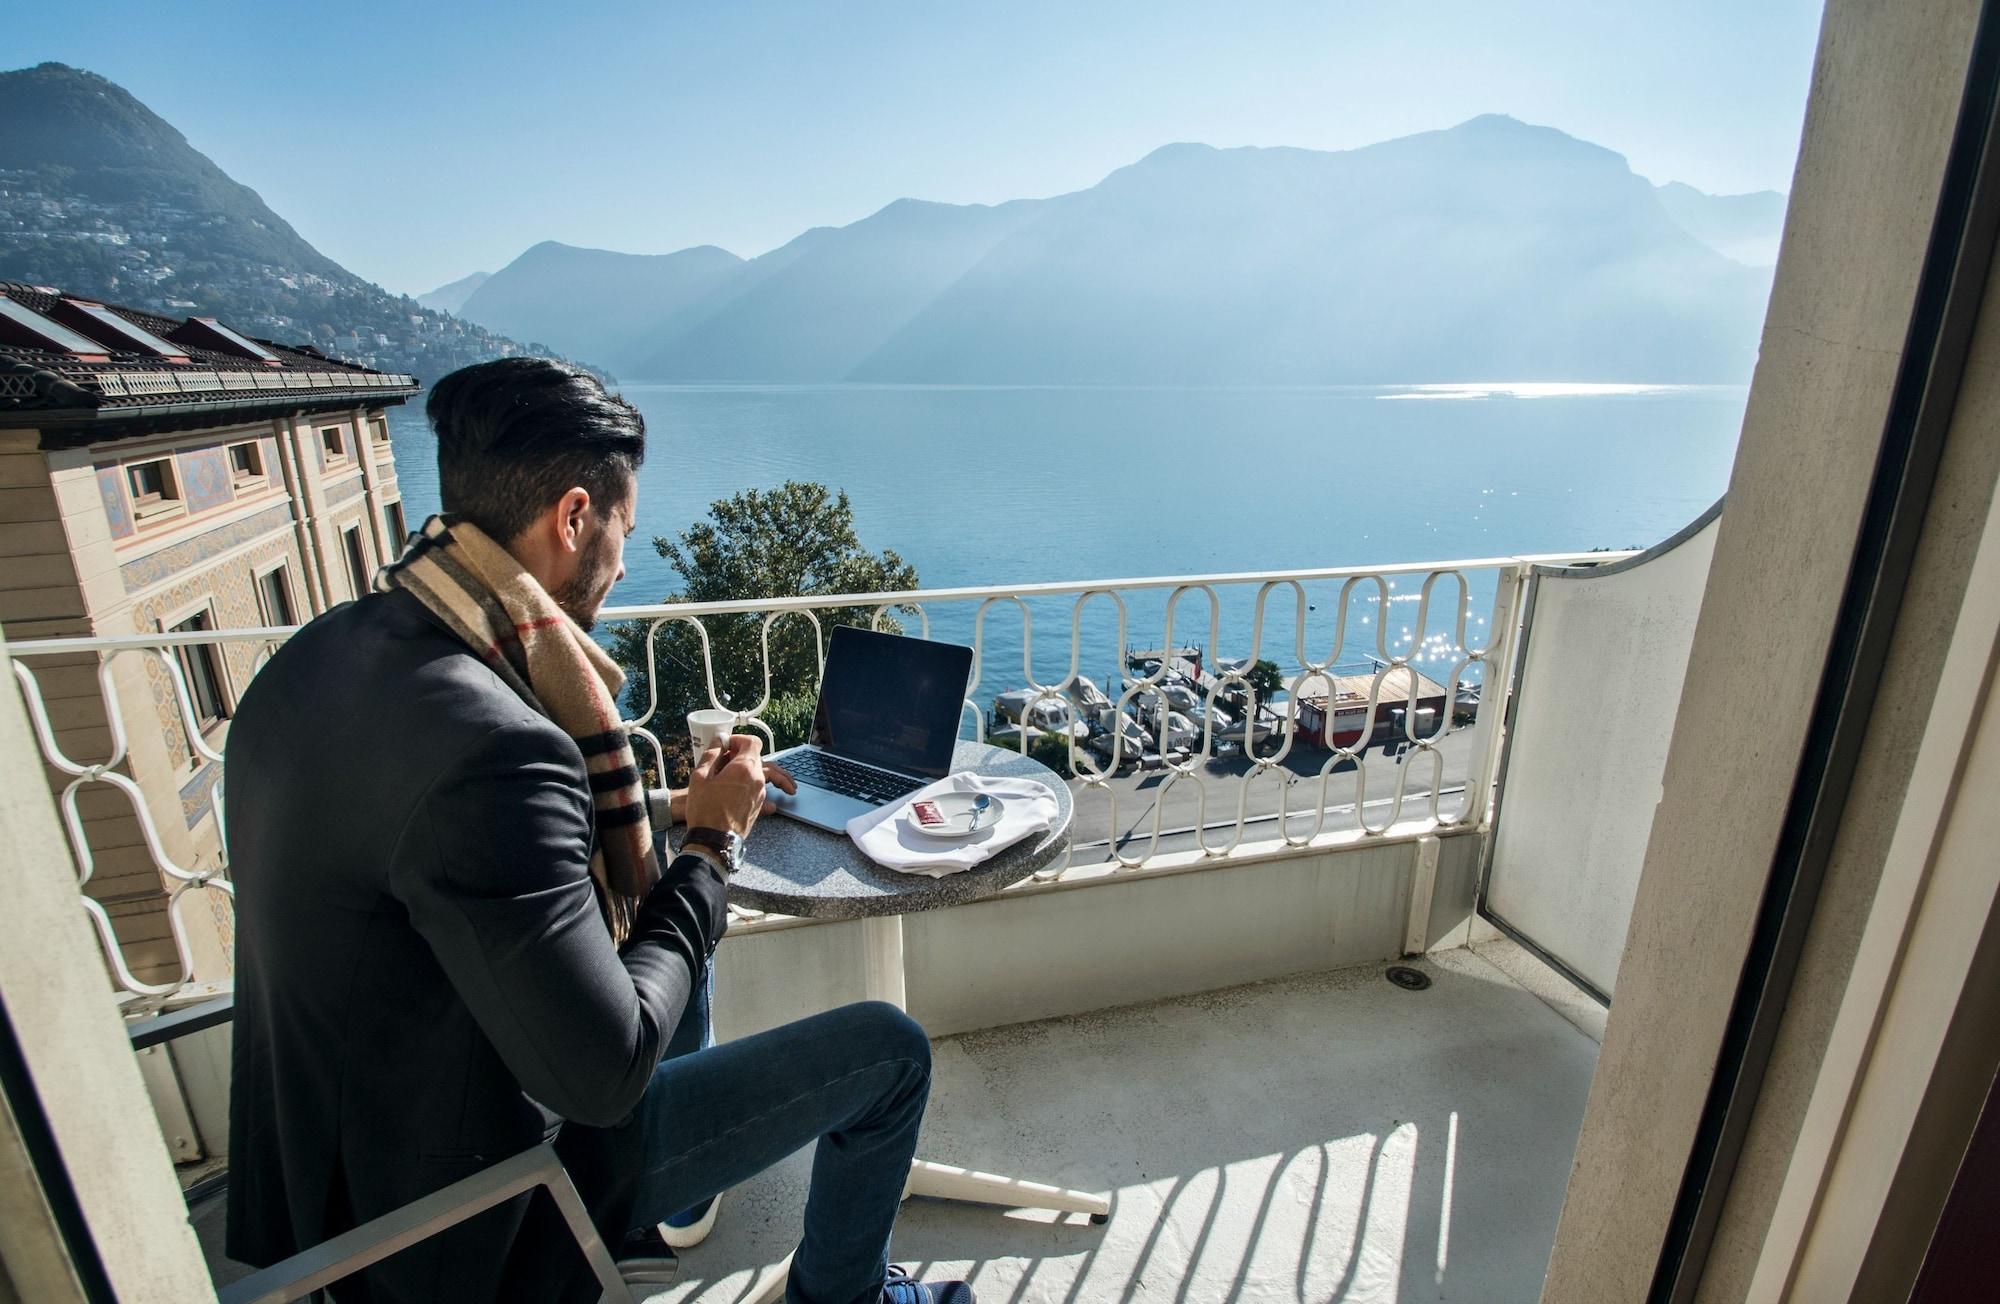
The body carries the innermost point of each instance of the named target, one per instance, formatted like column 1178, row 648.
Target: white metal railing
column 1303, row 802
column 1286, row 781
column 83, row 773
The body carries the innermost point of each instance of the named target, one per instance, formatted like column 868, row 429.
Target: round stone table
column 791, row 868
column 795, row 869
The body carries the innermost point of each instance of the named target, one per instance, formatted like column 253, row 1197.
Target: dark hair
column 515, row 434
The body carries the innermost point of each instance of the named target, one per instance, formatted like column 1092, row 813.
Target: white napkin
column 885, row 836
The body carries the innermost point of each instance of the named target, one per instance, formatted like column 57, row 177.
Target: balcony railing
column 1257, row 778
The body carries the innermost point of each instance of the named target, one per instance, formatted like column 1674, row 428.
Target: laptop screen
column 892, row 701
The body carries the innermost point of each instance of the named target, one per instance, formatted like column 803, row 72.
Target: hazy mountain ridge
column 100, row 196
column 821, row 309
column 604, row 306
column 1492, row 249
column 452, row 297
column 1743, row 227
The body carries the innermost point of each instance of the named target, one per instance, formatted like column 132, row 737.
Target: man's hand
column 677, row 798
column 726, row 788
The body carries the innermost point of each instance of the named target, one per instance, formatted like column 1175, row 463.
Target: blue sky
column 416, row 142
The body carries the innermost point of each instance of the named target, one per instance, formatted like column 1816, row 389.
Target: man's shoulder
column 384, row 660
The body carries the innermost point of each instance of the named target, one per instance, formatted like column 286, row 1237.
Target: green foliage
column 1050, row 749
column 790, row 718
column 797, row 539
column 1266, row 678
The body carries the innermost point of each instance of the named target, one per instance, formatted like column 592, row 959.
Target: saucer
column 956, row 807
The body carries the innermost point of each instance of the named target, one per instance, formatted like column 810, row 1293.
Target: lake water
column 998, row 486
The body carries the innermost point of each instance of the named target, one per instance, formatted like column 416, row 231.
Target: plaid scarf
column 483, row 595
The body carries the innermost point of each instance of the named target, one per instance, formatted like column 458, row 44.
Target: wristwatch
column 718, row 846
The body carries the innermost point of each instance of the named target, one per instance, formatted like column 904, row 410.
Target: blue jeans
column 853, row 1080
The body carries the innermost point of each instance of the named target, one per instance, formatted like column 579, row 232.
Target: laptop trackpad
column 819, row 807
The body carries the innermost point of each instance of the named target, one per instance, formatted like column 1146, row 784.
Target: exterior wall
column 1878, row 125
column 348, row 493
column 41, row 593
column 77, row 559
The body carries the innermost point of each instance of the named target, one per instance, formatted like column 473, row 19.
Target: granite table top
column 791, row 868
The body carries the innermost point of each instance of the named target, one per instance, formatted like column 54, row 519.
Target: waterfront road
column 1138, row 795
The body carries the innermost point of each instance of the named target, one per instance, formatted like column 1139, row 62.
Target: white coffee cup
column 708, row 728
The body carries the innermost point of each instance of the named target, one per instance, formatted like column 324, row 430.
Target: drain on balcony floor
column 1410, row 980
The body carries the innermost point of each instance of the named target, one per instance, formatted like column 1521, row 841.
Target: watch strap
column 714, row 858
column 724, row 847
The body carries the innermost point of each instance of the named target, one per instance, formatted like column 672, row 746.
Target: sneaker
column 690, row 1227
column 900, row 1289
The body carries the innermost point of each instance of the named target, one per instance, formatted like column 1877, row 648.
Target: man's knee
column 896, row 1033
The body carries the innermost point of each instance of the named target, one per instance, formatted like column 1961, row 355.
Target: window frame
column 255, row 476
column 280, row 573
column 333, row 449
column 217, row 665
column 354, row 546
column 396, row 526
column 148, row 506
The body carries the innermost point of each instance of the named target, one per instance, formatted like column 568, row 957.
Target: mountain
column 601, row 305
column 1492, row 250
column 450, row 298
column 821, row 306
column 1743, row 227
column 100, row 196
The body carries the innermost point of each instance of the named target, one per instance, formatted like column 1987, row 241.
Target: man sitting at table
column 454, row 937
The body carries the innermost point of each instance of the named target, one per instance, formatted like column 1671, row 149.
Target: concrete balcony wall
column 1047, row 950
column 1601, row 673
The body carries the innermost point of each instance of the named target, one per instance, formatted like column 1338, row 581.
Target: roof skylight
column 30, row 329
column 114, row 331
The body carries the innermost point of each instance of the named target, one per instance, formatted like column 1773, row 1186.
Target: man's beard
column 582, row 594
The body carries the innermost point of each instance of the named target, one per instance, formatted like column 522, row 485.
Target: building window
column 399, row 533
column 334, row 440
column 156, row 491
column 357, row 560
column 378, row 429
column 274, row 597
column 203, row 671
column 246, row 464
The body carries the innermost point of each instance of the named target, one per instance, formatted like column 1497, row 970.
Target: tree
column 1266, row 679
column 797, row 539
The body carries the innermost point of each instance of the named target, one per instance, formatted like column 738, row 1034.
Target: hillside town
column 169, row 259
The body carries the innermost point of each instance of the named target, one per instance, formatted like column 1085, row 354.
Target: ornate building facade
column 161, row 476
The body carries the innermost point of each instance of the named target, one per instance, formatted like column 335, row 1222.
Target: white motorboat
column 1134, row 738
column 1054, row 714
column 1087, row 695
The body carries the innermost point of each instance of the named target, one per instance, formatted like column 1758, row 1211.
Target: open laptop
column 886, row 725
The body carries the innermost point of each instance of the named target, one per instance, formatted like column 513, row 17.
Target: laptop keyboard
column 835, row 774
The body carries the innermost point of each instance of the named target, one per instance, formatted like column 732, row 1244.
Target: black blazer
column 424, row 984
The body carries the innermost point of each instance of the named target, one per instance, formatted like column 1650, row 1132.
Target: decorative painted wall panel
column 205, row 479
column 111, row 487
column 158, row 566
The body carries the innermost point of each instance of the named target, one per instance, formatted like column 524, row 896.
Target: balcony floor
column 1322, row 1138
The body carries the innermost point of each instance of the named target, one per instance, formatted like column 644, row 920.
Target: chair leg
column 943, row 1182
column 769, row 1284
